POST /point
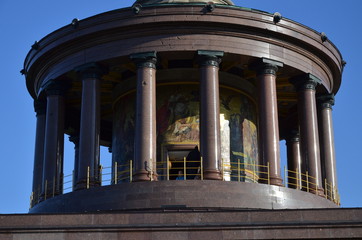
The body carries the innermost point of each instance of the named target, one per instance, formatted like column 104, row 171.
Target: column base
column 82, row 184
column 49, row 194
column 319, row 192
column 212, row 175
column 277, row 181
column 142, row 175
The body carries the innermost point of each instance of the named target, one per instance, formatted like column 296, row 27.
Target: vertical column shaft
column 145, row 136
column 327, row 139
column 40, row 109
column 294, row 160
column 268, row 118
column 54, row 140
column 309, row 130
column 210, row 140
column 88, row 166
column 75, row 139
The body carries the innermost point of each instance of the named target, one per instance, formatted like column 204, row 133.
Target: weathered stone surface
column 187, row 224
column 189, row 194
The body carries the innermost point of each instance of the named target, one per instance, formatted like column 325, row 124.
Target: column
column 145, row 129
column 74, row 138
column 54, row 140
column 88, row 165
column 40, row 109
column 307, row 109
column 210, row 140
column 294, row 160
column 268, row 118
column 327, row 139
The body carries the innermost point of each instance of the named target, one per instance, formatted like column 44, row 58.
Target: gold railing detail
column 237, row 171
column 305, row 182
column 243, row 172
column 166, row 173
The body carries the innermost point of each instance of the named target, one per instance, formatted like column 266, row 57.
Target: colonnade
column 315, row 128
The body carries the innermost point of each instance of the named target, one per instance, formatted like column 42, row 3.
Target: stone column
column 88, row 166
column 210, row 140
column 40, row 109
column 145, row 135
column 75, row 139
column 294, row 160
column 54, row 140
column 307, row 109
column 327, row 139
column 268, row 117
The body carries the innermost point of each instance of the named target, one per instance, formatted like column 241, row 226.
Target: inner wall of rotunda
column 178, row 130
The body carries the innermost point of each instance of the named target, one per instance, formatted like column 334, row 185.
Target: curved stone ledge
column 184, row 194
column 120, row 32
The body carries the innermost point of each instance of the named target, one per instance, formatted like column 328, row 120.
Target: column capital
column 40, row 107
column 55, row 87
column 74, row 138
column 293, row 136
column 90, row 70
column 326, row 101
column 145, row 59
column 266, row 66
column 209, row 58
column 305, row 81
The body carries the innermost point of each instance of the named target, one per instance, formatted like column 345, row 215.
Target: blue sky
column 23, row 22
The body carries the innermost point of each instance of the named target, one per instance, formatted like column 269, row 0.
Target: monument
column 192, row 98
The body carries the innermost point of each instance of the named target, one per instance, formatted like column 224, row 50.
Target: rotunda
column 192, row 98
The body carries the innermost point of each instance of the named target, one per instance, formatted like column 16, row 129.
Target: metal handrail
column 309, row 184
column 237, row 170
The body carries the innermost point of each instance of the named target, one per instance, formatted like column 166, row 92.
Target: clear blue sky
column 23, row 22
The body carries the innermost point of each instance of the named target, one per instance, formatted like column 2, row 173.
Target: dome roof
column 146, row 2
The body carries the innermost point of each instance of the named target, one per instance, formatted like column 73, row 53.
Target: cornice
column 241, row 23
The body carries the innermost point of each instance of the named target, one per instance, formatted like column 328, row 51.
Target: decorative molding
column 145, row 59
column 209, row 58
column 136, row 8
column 329, row 72
column 23, row 72
column 277, row 17
column 326, row 101
column 293, row 136
column 40, row 107
column 305, row 81
column 35, row 46
column 210, row 6
column 157, row 2
column 344, row 63
column 324, row 37
column 90, row 70
column 75, row 23
column 55, row 87
column 74, row 138
column 266, row 66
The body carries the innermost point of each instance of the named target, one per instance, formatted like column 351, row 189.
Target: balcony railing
column 193, row 170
